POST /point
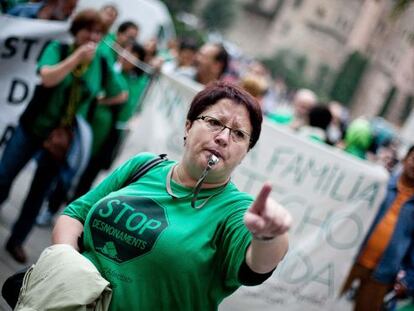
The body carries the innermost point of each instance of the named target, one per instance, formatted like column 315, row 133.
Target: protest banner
column 332, row 196
column 21, row 43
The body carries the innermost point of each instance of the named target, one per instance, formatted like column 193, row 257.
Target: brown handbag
column 58, row 142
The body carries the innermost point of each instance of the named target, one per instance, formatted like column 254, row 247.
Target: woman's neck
column 181, row 177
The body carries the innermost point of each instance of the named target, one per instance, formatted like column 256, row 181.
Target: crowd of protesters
column 300, row 110
column 121, row 61
column 78, row 114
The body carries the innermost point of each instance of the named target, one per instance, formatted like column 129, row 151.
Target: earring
column 185, row 139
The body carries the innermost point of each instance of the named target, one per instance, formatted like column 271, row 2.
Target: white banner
column 21, row 43
column 332, row 196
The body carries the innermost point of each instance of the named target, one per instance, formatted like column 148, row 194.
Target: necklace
column 168, row 185
column 194, row 192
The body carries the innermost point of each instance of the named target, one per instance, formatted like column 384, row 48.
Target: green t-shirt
column 281, row 117
column 136, row 84
column 157, row 252
column 49, row 114
column 136, row 87
column 101, row 125
column 105, row 48
column 103, row 117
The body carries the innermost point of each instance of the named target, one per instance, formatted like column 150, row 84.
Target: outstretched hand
column 266, row 218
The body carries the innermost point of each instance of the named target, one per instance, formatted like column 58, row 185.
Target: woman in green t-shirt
column 182, row 236
column 109, row 126
column 70, row 80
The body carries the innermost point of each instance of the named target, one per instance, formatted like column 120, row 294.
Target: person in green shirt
column 105, row 114
column 109, row 124
column 183, row 237
column 358, row 138
column 70, row 80
column 137, row 82
column 126, row 33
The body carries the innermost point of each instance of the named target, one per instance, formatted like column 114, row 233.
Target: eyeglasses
column 216, row 126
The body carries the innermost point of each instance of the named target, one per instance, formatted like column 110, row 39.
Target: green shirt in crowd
column 105, row 46
column 136, row 84
column 136, row 87
column 157, row 252
column 49, row 114
column 105, row 117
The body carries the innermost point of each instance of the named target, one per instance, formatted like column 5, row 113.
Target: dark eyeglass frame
column 223, row 127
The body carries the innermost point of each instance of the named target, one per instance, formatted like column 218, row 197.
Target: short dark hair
column 188, row 44
column 139, row 50
column 320, row 116
column 126, row 25
column 86, row 19
column 216, row 91
column 222, row 57
column 410, row 150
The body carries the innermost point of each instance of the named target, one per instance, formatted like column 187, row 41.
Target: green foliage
column 219, row 14
column 184, row 31
column 399, row 7
column 290, row 66
column 348, row 78
column 176, row 6
column 321, row 83
column 408, row 106
column 388, row 101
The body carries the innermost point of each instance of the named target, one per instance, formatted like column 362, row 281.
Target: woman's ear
column 188, row 125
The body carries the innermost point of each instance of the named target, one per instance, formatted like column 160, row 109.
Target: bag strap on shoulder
column 64, row 51
column 143, row 169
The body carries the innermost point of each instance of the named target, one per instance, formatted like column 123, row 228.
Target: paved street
column 40, row 237
column 36, row 242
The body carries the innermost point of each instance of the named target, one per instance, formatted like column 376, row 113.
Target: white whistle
column 213, row 160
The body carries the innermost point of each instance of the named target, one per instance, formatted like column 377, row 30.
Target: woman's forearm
column 53, row 75
column 264, row 256
column 114, row 100
column 67, row 230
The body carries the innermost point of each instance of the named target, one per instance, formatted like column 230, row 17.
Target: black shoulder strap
column 142, row 170
column 64, row 51
column 104, row 71
column 40, row 96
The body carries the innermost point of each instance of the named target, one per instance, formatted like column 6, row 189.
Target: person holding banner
column 70, row 81
column 182, row 236
column 389, row 246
